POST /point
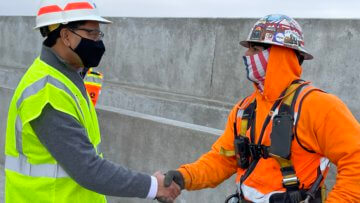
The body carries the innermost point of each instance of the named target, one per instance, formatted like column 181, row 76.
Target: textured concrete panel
column 171, row 54
column 333, row 43
column 191, row 69
column 335, row 68
column 19, row 43
column 169, row 105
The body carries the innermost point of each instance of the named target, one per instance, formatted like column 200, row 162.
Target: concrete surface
column 199, row 60
column 191, row 69
column 169, row 83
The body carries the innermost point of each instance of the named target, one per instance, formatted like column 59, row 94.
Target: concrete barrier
column 191, row 69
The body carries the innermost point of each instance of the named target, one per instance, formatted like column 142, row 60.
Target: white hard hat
column 53, row 12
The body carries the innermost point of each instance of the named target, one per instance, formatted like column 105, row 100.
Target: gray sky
column 206, row 8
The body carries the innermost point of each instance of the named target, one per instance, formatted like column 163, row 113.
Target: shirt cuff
column 153, row 188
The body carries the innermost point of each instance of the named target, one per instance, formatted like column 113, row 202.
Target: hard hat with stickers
column 278, row 30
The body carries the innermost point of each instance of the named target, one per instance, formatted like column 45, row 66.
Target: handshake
column 169, row 186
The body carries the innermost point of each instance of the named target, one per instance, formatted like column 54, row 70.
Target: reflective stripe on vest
column 40, row 84
column 20, row 165
column 93, row 77
column 254, row 195
column 32, row 90
column 324, row 164
column 93, row 80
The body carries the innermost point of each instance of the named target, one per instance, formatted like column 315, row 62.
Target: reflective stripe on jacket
column 32, row 174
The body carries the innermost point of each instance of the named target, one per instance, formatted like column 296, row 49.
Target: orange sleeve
column 330, row 129
column 212, row 168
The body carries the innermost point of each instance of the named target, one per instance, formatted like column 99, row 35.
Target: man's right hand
column 176, row 176
column 166, row 194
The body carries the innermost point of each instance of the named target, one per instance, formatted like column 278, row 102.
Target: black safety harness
column 248, row 152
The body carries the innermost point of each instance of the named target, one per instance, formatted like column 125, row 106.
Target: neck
column 67, row 55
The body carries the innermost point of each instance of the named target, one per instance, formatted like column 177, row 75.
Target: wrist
column 154, row 187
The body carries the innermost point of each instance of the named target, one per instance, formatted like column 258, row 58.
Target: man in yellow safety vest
column 52, row 148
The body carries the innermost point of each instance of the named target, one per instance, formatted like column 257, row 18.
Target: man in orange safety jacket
column 280, row 139
column 93, row 83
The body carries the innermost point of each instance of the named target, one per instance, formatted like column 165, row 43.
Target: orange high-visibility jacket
column 93, row 83
column 326, row 126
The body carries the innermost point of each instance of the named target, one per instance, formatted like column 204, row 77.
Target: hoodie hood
column 282, row 69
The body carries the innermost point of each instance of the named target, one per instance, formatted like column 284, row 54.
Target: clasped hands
column 169, row 186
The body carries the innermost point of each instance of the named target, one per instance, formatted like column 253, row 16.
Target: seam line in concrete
column 213, row 60
column 162, row 120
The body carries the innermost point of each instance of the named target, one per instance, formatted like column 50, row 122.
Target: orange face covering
column 282, row 68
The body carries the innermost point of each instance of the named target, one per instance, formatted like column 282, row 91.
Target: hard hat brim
column 86, row 18
column 302, row 51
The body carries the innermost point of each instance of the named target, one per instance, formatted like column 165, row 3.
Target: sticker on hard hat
column 268, row 37
column 279, row 37
column 256, row 34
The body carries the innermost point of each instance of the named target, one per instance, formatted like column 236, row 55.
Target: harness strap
column 287, row 104
column 245, row 115
column 290, row 181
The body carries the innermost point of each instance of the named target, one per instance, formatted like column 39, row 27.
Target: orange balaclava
column 282, row 68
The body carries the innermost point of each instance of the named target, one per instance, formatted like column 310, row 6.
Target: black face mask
column 90, row 52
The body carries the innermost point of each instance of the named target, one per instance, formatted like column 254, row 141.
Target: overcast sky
column 206, row 8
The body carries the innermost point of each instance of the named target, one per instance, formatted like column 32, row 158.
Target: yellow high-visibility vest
column 31, row 173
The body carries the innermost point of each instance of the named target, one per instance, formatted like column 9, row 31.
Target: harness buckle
column 291, row 182
column 257, row 151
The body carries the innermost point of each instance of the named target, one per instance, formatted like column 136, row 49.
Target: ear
column 65, row 37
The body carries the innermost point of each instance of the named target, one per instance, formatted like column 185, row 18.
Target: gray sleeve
column 67, row 142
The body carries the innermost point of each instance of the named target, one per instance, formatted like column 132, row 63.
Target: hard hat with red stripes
column 53, row 12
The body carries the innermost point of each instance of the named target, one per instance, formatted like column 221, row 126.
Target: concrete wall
column 197, row 62
column 169, row 83
column 191, row 69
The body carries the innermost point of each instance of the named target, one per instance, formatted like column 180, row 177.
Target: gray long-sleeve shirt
column 66, row 140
